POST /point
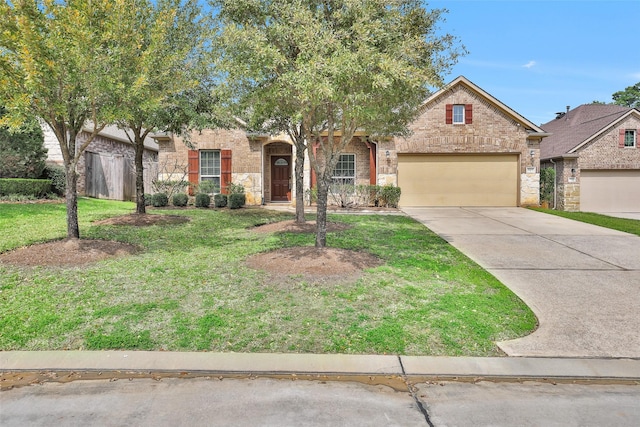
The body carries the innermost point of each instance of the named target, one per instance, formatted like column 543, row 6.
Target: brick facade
column 604, row 152
column 245, row 161
column 495, row 129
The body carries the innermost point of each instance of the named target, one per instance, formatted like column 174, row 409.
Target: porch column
column 372, row 162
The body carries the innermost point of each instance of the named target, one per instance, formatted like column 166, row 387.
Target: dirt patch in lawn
column 310, row 262
column 313, row 262
column 292, row 227
column 69, row 252
column 144, row 220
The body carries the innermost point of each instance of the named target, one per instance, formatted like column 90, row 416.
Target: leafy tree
column 326, row 68
column 630, row 97
column 22, row 153
column 161, row 81
column 55, row 63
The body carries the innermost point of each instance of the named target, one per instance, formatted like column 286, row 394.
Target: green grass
column 30, row 223
column 621, row 224
column 190, row 289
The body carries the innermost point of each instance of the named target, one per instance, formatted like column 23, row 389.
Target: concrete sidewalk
column 495, row 368
column 582, row 281
column 227, row 389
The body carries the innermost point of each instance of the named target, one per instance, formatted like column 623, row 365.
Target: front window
column 458, row 113
column 210, row 168
column 630, row 138
column 345, row 171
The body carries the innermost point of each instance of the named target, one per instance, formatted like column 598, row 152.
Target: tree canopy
column 161, row 82
column 55, row 63
column 331, row 67
column 630, row 97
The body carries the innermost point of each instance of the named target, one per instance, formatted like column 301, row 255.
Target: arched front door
column 280, row 178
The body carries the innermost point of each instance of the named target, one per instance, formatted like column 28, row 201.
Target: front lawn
column 621, row 224
column 190, row 289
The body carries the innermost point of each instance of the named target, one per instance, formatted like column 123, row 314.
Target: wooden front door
column 280, row 178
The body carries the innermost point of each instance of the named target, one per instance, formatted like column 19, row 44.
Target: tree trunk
column 71, row 197
column 139, row 151
column 321, row 218
column 299, row 172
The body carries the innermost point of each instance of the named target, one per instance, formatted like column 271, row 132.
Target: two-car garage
column 458, row 179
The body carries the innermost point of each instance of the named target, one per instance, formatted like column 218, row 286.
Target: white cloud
column 529, row 64
column 636, row 76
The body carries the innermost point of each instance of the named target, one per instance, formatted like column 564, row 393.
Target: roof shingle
column 576, row 126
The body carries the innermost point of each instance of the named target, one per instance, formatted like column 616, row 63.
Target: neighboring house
column 596, row 154
column 466, row 149
column 106, row 169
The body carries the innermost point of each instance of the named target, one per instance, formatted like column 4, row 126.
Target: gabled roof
column 571, row 131
column 462, row 80
column 118, row 134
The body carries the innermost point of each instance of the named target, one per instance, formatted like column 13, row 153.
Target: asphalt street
column 288, row 402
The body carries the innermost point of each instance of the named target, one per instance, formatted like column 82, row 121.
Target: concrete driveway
column 581, row 280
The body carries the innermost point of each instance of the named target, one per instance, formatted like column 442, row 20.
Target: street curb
column 324, row 364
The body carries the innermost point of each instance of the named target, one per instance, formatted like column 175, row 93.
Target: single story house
column 106, row 169
column 466, row 149
column 595, row 152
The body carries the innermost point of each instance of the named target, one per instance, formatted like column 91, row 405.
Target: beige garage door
column 610, row 191
column 458, row 180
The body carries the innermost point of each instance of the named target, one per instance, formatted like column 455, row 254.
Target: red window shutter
column 621, row 139
column 225, row 170
column 194, row 166
column 449, row 114
column 468, row 114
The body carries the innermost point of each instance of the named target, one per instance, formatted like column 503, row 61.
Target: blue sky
column 537, row 57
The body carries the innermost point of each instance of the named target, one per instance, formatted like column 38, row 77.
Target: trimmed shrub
column 220, row 200
column 159, row 200
column 58, row 178
column 237, row 200
column 25, row 187
column 180, row 199
column 203, row 200
column 389, row 196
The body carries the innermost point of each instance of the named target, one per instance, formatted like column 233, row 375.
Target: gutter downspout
column 555, row 183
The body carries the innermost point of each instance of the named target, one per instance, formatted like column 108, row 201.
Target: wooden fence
column 112, row 176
